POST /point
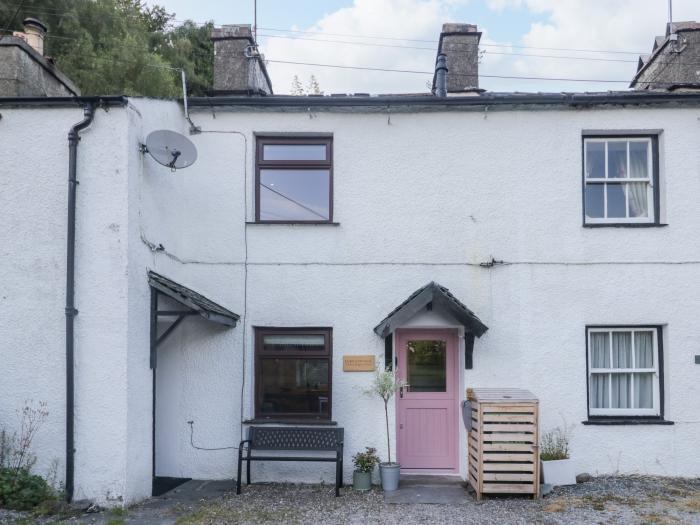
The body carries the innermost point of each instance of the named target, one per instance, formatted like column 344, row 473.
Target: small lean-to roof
column 192, row 300
column 440, row 297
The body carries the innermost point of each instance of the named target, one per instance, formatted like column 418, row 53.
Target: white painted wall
column 428, row 197
column 425, row 197
column 111, row 337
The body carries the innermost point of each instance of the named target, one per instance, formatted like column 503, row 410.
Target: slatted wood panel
column 502, row 446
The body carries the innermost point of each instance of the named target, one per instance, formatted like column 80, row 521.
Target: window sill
column 293, row 223
column 629, row 420
column 624, row 225
column 298, row 421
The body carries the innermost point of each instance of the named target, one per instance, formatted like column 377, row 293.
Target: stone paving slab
column 445, row 490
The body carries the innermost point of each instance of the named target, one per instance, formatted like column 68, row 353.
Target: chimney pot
column 35, row 32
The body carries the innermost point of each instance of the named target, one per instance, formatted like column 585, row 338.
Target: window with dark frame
column 294, row 180
column 620, row 180
column 293, row 373
column 625, row 371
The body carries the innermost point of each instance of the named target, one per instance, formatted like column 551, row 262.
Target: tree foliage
column 119, row 46
column 312, row 87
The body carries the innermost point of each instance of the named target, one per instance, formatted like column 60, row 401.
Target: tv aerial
column 171, row 149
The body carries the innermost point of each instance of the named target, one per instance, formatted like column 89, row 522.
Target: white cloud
column 622, row 25
column 618, row 25
column 500, row 5
column 414, row 19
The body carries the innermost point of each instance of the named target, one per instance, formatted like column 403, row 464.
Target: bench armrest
column 240, row 446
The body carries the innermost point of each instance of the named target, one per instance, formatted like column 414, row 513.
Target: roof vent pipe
column 441, row 75
column 35, row 32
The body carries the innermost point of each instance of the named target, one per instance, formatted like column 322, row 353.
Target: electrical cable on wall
column 191, row 424
column 245, row 261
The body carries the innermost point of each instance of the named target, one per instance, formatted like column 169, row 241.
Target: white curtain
column 638, row 199
column 600, row 358
column 643, row 350
column 620, row 390
column 621, row 358
column 600, row 350
column 622, row 350
column 639, row 207
column 643, row 358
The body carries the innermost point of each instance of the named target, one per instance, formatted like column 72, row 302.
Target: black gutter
column 65, row 102
column 73, row 140
column 430, row 101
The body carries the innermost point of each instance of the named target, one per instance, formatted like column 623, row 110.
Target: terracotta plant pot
column 389, row 473
column 361, row 481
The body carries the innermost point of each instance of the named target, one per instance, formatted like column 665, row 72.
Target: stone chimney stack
column 35, row 32
column 673, row 62
column 25, row 71
column 460, row 43
column 239, row 69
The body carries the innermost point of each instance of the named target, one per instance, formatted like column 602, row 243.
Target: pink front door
column 427, row 409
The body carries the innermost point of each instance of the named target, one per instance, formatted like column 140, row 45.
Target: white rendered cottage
column 541, row 241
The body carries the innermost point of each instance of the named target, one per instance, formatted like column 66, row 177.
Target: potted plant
column 557, row 466
column 385, row 385
column 364, row 466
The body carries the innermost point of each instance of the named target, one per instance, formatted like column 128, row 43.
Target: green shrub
column 366, row 461
column 554, row 444
column 20, row 490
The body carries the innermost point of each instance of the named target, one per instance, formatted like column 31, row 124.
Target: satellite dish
column 170, row 149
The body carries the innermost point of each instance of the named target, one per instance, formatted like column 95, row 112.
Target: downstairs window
column 293, row 373
column 624, row 371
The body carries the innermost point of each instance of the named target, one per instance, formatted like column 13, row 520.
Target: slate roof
column 440, row 297
column 187, row 297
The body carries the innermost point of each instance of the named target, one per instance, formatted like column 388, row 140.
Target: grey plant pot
column 361, row 480
column 390, row 473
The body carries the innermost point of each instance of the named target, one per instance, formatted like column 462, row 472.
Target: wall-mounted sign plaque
column 358, row 363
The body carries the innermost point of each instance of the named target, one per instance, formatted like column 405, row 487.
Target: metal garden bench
column 292, row 439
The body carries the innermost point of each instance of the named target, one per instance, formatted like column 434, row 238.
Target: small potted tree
column 364, row 466
column 384, row 386
column 557, row 466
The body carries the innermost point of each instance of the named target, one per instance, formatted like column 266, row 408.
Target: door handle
column 401, row 392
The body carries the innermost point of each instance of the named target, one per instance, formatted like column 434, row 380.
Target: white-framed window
column 620, row 180
column 624, row 368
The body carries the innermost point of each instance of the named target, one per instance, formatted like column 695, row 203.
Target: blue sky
column 561, row 26
column 506, row 25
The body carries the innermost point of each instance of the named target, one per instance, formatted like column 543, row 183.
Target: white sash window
column 623, row 371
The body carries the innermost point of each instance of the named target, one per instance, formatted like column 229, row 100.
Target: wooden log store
column 502, row 441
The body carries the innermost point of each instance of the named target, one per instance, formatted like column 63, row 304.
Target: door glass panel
column 426, row 366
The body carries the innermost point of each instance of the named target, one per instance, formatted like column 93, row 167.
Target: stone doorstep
column 437, row 490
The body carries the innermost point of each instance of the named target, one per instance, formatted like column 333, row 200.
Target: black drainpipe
column 441, row 75
column 73, row 139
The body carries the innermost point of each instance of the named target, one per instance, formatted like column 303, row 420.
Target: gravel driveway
column 604, row 500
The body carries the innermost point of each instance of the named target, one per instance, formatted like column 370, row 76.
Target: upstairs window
column 624, row 371
column 294, row 180
column 620, row 180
